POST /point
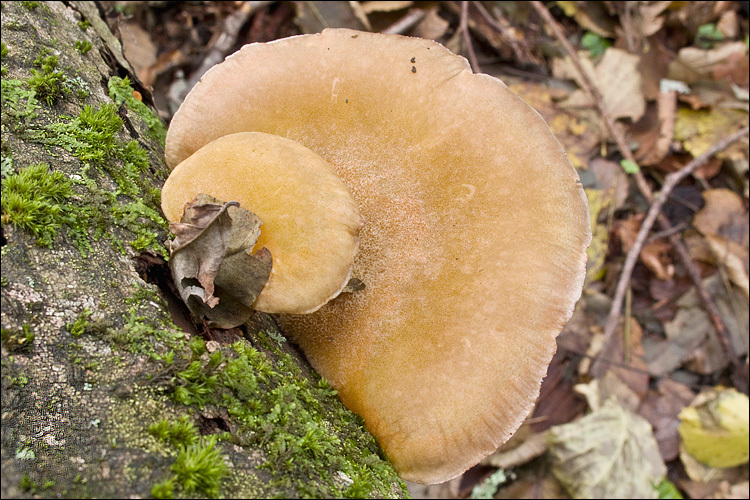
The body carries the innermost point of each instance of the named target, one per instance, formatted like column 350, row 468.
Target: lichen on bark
column 97, row 380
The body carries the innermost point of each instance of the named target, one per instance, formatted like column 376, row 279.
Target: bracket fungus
column 474, row 245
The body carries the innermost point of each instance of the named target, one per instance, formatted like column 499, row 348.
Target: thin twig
column 668, row 233
column 499, row 27
column 464, row 27
column 228, row 36
column 406, row 23
column 591, row 88
column 632, row 257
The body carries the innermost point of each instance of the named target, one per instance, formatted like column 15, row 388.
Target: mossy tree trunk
column 103, row 395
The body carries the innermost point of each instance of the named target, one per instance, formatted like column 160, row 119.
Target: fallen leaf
column 648, row 17
column 691, row 336
column 592, row 16
column 558, row 403
column 448, row 489
column 433, row 26
column 383, row 6
column 655, row 130
column 140, row 51
column 724, row 222
column 313, row 17
column 733, row 259
column 693, row 64
column 660, row 407
column 611, row 180
column 699, row 130
column 618, row 79
column 715, row 428
column 655, row 255
column 724, row 215
column 726, row 490
column 610, row 453
column 212, row 263
column 628, row 381
column 599, row 247
column 539, row 488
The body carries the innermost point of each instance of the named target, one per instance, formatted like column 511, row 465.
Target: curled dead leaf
column 212, row 263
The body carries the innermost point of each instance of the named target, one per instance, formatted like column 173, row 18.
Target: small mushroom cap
column 474, row 251
column 310, row 220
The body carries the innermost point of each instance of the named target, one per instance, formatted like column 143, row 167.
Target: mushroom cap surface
column 310, row 220
column 474, row 249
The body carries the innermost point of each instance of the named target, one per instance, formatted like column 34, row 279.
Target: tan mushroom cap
column 310, row 220
column 474, row 248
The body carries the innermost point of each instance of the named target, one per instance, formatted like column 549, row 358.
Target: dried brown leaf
column 592, row 16
column 382, row 6
column 616, row 76
column 661, row 407
column 724, row 215
column 655, row 130
column 140, row 50
column 212, row 262
column 432, row 26
column 693, row 64
column 691, row 336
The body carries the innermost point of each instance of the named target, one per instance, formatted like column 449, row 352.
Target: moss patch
column 94, row 138
column 32, row 198
column 47, row 82
column 198, row 466
column 122, row 92
column 274, row 406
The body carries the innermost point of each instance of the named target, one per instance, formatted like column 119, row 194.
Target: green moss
column 180, row 433
column 194, row 385
column 48, row 83
column 79, row 325
column 27, row 484
column 121, row 92
column 140, row 335
column 32, row 198
column 164, row 489
column 19, row 380
column 30, row 5
column 198, row 467
column 93, row 138
column 19, row 104
column 84, row 25
column 14, row 25
column 3, row 53
column 83, row 46
column 276, row 408
column 312, row 446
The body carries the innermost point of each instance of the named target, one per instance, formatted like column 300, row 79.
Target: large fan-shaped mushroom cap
column 474, row 247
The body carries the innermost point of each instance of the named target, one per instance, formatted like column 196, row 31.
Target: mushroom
column 309, row 216
column 474, row 248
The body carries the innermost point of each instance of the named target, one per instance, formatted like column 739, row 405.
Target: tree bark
column 103, row 395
